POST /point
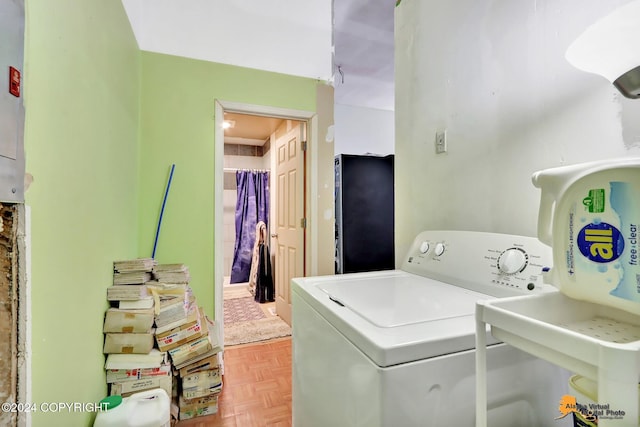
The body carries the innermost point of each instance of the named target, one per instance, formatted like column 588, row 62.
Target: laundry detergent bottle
column 590, row 216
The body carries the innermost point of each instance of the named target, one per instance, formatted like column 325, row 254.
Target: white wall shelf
column 595, row 341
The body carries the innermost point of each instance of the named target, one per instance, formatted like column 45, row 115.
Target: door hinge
column 303, row 223
column 303, row 145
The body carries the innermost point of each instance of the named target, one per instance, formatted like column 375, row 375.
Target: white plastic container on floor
column 148, row 408
column 590, row 216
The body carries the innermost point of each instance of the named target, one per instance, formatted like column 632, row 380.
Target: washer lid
column 401, row 300
column 393, row 316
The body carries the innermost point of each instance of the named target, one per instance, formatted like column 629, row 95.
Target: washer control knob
column 439, row 249
column 424, row 247
column 512, row 261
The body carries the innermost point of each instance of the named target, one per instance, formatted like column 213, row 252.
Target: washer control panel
column 495, row 264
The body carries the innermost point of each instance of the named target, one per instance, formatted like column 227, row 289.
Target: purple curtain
column 252, row 206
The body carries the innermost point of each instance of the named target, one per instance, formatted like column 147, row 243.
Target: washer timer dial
column 512, row 260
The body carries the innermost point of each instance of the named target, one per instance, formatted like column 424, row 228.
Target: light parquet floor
column 256, row 389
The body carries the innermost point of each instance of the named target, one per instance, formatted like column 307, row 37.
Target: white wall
column 493, row 74
column 360, row 130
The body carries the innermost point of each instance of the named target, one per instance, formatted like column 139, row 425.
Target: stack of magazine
column 130, row 280
column 156, row 336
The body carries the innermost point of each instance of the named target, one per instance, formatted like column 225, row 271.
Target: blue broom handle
column 164, row 202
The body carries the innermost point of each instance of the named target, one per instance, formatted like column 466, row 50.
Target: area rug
column 255, row 330
column 241, row 310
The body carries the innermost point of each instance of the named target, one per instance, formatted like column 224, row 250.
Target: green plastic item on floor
column 110, row 402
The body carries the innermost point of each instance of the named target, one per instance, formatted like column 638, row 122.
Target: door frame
column 310, row 191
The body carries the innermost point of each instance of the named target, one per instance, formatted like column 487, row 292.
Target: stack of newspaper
column 129, row 336
column 198, row 365
column 132, row 373
column 129, row 329
column 156, row 336
column 130, row 280
column 189, row 337
column 172, row 303
column 171, row 273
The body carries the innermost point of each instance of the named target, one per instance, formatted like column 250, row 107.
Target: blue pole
column 164, row 202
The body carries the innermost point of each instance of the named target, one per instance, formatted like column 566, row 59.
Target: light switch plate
column 441, row 142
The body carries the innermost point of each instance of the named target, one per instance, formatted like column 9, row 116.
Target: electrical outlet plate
column 441, row 142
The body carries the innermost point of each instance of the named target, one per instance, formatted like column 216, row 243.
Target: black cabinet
column 364, row 213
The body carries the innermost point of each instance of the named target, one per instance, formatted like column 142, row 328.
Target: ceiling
column 243, row 33
column 364, row 51
column 248, row 129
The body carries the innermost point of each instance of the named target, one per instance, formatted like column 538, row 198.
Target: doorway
column 244, row 148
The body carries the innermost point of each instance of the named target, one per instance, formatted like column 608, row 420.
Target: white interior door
column 289, row 240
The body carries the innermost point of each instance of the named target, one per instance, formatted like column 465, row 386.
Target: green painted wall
column 104, row 122
column 177, row 127
column 81, row 141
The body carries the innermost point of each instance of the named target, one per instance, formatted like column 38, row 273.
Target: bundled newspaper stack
column 128, row 328
column 133, row 364
column 190, row 340
column 198, row 366
column 171, row 273
column 132, row 373
column 130, row 278
column 160, row 338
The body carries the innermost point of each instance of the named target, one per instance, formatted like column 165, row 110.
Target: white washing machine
column 396, row 348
